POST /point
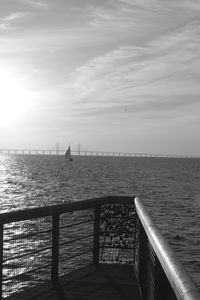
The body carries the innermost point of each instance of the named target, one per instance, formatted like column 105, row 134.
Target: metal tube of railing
column 1, row 260
column 182, row 285
column 26, row 214
column 96, row 235
column 55, row 247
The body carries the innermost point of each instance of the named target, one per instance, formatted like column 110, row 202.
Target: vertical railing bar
column 1, row 261
column 143, row 261
column 96, row 235
column 135, row 237
column 55, row 247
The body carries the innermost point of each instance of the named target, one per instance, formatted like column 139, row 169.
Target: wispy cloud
column 190, row 4
column 149, row 79
column 115, row 16
column 9, row 20
column 142, row 15
column 35, row 3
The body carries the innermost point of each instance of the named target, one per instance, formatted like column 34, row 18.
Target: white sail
column 68, row 155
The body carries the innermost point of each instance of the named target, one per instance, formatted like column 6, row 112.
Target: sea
column 168, row 187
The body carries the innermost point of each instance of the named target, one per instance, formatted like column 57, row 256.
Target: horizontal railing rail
column 26, row 214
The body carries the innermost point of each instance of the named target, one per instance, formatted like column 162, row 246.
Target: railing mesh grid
column 117, row 232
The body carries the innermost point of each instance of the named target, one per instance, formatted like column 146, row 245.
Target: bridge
column 88, row 153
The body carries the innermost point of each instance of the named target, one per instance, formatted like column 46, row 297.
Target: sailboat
column 68, row 155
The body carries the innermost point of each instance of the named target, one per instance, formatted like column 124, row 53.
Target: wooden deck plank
column 102, row 282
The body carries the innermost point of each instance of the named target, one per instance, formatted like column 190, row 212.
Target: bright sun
column 14, row 99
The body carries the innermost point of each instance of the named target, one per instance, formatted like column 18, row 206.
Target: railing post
column 1, row 261
column 55, row 247
column 96, row 235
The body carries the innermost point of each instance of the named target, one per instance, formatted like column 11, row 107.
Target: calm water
column 169, row 187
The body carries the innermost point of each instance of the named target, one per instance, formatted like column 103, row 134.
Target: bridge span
column 88, row 153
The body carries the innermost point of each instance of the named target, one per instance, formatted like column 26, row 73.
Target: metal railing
column 41, row 244
column 160, row 274
column 44, row 243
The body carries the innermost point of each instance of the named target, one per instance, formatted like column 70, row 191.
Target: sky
column 112, row 75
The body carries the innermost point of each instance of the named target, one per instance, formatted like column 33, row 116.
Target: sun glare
column 14, row 100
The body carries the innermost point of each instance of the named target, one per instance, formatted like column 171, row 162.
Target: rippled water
column 169, row 187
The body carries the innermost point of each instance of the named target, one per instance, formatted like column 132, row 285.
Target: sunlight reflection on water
column 169, row 187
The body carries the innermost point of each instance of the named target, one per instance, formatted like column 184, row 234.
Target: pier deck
column 105, row 281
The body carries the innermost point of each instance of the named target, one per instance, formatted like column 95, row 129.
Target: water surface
column 169, row 188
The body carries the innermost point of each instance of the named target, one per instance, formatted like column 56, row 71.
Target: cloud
column 10, row 19
column 190, row 4
column 35, row 3
column 142, row 15
column 116, row 17
column 162, row 76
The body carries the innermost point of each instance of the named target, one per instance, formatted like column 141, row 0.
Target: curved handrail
column 182, row 285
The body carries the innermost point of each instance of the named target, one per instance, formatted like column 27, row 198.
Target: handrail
column 26, row 214
column 182, row 285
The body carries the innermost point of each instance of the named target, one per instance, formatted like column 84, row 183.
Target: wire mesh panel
column 140, row 252
column 26, row 254
column 117, row 231
column 76, row 240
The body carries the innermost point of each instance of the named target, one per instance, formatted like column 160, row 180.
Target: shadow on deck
column 105, row 281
